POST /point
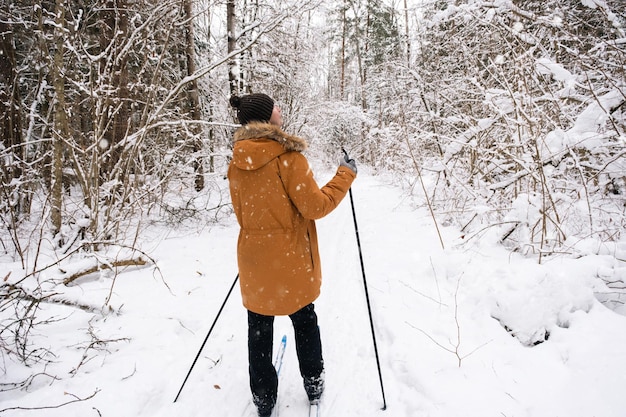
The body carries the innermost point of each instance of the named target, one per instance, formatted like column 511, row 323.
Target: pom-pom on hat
column 253, row 107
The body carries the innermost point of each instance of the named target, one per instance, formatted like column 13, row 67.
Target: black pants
column 263, row 379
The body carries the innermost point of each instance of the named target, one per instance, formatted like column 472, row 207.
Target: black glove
column 348, row 162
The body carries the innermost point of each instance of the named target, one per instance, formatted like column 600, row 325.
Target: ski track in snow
column 579, row 372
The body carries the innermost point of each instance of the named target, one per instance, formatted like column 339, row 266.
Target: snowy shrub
column 534, row 109
column 343, row 127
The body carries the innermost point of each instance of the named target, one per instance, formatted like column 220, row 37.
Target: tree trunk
column 11, row 131
column 342, row 82
column 363, row 55
column 60, row 120
column 249, row 15
column 406, row 32
column 115, row 71
column 232, row 44
column 194, row 100
column 210, row 142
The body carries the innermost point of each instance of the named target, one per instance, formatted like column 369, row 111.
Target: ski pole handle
column 348, row 162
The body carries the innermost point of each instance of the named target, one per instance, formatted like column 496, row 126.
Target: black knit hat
column 253, row 107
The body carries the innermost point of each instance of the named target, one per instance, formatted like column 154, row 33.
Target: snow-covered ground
column 440, row 317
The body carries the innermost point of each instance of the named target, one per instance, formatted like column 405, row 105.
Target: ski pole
column 207, row 336
column 367, row 297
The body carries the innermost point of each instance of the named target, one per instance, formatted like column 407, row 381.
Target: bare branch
column 50, row 407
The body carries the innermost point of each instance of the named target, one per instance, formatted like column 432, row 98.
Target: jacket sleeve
column 312, row 201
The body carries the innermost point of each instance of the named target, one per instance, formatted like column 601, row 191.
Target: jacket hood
column 257, row 143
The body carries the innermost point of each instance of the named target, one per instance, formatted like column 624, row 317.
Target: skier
column 276, row 201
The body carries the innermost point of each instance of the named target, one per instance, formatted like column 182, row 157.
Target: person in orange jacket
column 276, row 201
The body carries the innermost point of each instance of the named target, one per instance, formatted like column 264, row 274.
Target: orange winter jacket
column 276, row 201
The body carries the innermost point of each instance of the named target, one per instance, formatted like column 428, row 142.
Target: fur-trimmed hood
column 259, row 130
column 257, row 143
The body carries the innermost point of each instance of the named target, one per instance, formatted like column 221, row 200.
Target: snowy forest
column 504, row 119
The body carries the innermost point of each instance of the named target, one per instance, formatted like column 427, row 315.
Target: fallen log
column 139, row 261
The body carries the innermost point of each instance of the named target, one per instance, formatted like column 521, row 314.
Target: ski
column 278, row 365
column 314, row 410
column 278, row 361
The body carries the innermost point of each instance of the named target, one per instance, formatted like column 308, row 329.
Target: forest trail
column 433, row 310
